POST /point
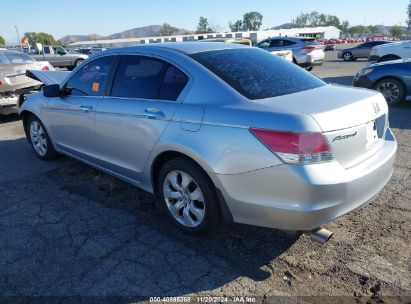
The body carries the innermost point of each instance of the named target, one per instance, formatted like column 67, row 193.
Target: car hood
column 391, row 44
column 390, row 62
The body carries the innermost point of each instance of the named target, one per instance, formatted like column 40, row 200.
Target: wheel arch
column 25, row 116
column 163, row 157
column 384, row 58
column 167, row 155
column 389, row 77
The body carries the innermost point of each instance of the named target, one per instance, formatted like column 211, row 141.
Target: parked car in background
column 285, row 54
column 13, row 79
column 329, row 47
column 362, row 50
column 307, row 52
column 216, row 134
column 243, row 41
column 58, row 56
column 96, row 49
column 392, row 51
column 391, row 78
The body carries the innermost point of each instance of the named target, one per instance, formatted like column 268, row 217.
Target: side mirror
column 51, row 90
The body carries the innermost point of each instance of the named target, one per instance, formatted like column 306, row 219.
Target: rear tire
column 39, row 139
column 392, row 89
column 188, row 196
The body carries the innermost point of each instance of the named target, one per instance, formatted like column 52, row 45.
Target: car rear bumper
column 314, row 58
column 305, row 197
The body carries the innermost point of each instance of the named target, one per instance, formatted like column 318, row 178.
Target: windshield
column 257, row 74
column 14, row 57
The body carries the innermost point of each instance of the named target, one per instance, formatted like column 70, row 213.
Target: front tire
column 392, row 89
column 189, row 196
column 347, row 56
column 76, row 64
column 40, row 140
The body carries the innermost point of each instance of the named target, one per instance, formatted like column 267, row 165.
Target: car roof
column 182, row 47
column 292, row 38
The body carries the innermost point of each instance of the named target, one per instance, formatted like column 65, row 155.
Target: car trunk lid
column 353, row 120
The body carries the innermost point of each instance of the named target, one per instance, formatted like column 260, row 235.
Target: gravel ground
column 69, row 230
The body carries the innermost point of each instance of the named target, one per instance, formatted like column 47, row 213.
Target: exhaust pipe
column 320, row 235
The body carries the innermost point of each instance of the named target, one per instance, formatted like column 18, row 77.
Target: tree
column 2, row 41
column 252, row 21
column 236, row 26
column 166, row 30
column 301, row 20
column 345, row 27
column 203, row 26
column 314, row 19
column 42, row 38
column 215, row 28
column 396, row 31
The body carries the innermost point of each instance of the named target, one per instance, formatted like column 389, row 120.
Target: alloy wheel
column 347, row 56
column 390, row 90
column 184, row 198
column 38, row 138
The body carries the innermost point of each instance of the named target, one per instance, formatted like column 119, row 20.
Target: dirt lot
column 69, row 230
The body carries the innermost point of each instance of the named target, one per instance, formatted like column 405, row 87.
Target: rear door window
column 173, row 83
column 147, row 78
column 257, row 74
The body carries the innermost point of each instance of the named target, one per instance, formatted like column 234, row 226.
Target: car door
column 128, row 123
column 62, row 56
column 364, row 51
column 71, row 115
column 48, row 55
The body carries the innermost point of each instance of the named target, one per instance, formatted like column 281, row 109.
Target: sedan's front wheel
column 40, row 141
column 189, row 196
column 347, row 56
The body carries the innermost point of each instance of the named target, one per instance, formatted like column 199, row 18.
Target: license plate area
column 372, row 134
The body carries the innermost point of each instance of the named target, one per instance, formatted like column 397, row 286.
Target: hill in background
column 145, row 31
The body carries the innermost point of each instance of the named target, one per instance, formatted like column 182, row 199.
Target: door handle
column 153, row 114
column 86, row 109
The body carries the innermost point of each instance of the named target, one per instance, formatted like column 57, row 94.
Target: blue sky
column 106, row 17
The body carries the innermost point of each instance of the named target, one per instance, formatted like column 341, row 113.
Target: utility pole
column 18, row 37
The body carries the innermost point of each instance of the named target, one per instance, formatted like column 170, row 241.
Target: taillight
column 1, row 83
column 45, row 68
column 295, row 148
column 310, row 48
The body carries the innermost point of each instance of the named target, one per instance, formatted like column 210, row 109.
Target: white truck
column 391, row 51
column 57, row 56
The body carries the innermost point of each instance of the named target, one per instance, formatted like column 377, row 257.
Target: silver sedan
column 220, row 132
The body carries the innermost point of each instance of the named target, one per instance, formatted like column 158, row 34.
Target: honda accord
column 219, row 132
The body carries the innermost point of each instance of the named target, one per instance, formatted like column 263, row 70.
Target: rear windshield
column 14, row 57
column 257, row 74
